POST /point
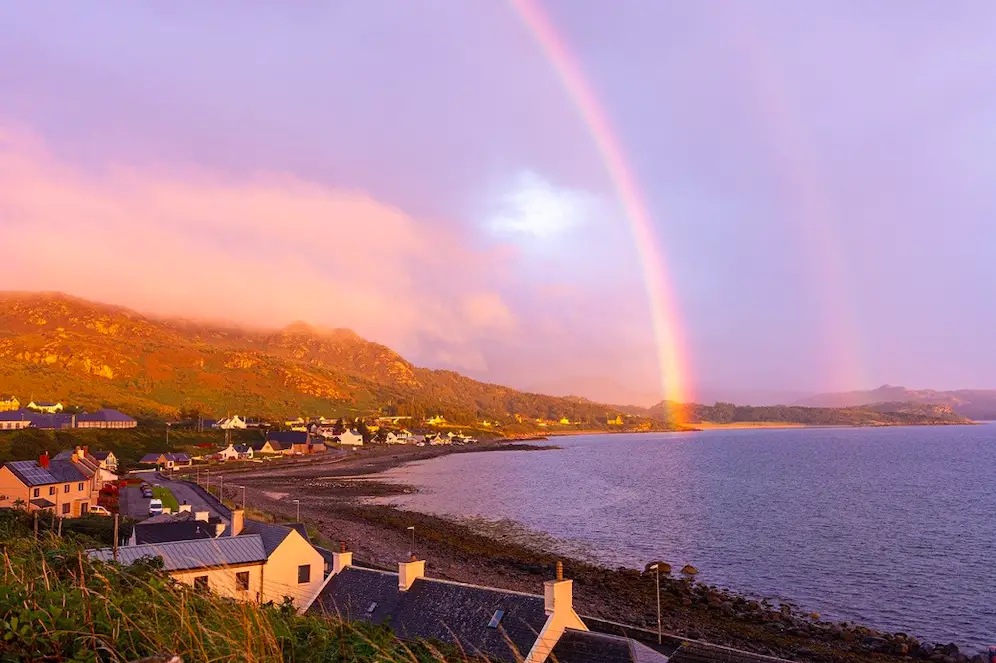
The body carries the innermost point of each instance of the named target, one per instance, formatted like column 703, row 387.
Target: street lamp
column 298, row 503
column 412, row 529
column 657, row 568
column 243, row 497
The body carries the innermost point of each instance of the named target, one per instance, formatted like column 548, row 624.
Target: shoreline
column 334, row 500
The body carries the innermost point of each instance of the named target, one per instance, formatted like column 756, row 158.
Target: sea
column 893, row 528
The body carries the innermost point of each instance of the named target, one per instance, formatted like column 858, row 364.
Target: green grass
column 56, row 604
column 166, row 495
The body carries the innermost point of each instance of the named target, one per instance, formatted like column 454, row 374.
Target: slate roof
column 16, row 415
column 88, row 465
column 589, row 647
column 101, row 455
column 287, row 437
column 148, row 459
column 104, row 415
column 30, row 473
column 271, row 534
column 182, row 530
column 195, row 554
column 433, row 609
column 241, row 448
column 42, row 503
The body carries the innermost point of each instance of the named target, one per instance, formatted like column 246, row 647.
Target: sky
column 819, row 180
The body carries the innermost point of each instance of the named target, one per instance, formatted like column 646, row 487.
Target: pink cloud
column 265, row 250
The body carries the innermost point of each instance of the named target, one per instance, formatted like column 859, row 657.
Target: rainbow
column 663, row 314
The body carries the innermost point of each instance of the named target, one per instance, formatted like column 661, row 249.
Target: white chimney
column 558, row 600
column 342, row 559
column 238, row 521
column 409, row 572
column 201, row 515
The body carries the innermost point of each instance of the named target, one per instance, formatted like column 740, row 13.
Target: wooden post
column 60, row 526
column 36, row 525
column 116, row 517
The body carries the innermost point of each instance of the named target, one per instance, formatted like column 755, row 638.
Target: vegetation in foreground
column 57, row 605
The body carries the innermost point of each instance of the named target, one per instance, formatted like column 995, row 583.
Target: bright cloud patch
column 533, row 207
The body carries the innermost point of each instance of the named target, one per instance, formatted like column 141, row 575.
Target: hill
column 57, row 347
column 878, row 414
column 979, row 404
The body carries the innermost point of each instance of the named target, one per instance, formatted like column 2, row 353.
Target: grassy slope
column 55, row 604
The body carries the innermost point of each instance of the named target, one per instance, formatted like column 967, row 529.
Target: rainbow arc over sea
column 672, row 356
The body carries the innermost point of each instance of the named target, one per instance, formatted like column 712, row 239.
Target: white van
column 155, row 506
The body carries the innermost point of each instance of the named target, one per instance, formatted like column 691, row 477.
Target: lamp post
column 243, row 497
column 411, row 528
column 657, row 570
column 298, row 503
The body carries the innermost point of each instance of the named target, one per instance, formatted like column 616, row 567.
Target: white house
column 229, row 423
column 229, row 453
column 255, row 562
column 48, row 408
column 350, row 438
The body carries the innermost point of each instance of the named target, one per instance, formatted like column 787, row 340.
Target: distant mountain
column 977, row 404
column 878, row 414
column 57, row 347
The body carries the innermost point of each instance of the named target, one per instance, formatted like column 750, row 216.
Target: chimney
column 238, row 521
column 184, row 508
column 342, row 559
column 43, row 461
column 558, row 595
column 409, row 572
column 558, row 601
column 201, row 515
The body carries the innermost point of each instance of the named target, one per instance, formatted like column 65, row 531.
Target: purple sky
column 822, row 177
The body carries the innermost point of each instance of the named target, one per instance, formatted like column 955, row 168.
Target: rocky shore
column 333, row 492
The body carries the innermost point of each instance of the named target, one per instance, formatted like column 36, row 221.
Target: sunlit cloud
column 265, row 250
column 533, row 208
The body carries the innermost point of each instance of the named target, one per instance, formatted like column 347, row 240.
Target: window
column 201, row 582
column 65, row 488
column 51, row 490
column 303, row 574
column 35, row 493
column 84, row 508
column 79, row 486
column 242, row 581
column 65, row 509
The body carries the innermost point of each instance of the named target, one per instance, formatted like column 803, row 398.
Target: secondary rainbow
column 663, row 314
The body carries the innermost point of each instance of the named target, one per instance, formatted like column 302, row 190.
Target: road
column 185, row 494
column 133, row 505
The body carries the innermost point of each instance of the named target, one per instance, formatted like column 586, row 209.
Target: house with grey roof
column 484, row 621
column 247, row 560
column 15, row 419
column 105, row 418
column 64, row 485
column 169, row 460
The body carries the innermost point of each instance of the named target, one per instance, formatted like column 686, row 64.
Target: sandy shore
column 332, row 487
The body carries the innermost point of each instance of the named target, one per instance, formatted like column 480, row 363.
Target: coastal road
column 187, row 494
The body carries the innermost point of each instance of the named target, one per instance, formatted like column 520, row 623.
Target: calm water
column 890, row 527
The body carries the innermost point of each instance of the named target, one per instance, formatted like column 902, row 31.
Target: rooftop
column 104, row 415
column 192, row 554
column 30, row 473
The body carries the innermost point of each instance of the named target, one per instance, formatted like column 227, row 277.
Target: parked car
column 155, row 507
column 146, row 491
column 99, row 511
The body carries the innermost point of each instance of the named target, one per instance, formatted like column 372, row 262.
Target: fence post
column 116, row 516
